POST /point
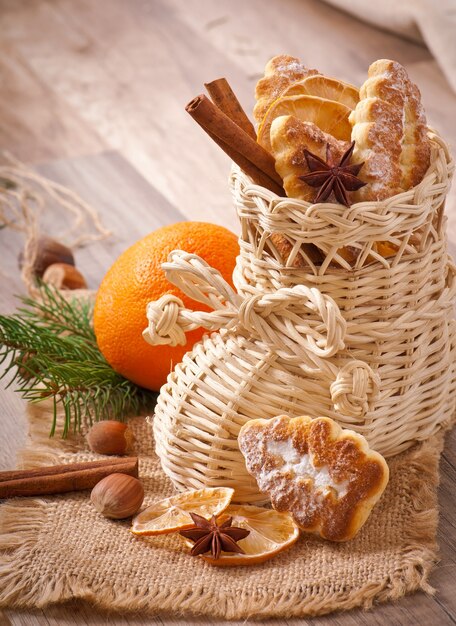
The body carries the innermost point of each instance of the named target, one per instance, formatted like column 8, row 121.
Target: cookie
column 389, row 128
column 325, row 476
column 280, row 72
column 290, row 137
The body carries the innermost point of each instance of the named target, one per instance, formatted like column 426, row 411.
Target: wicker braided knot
column 163, row 325
column 354, row 389
column 299, row 323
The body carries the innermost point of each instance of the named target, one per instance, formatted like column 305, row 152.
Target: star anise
column 209, row 536
column 331, row 177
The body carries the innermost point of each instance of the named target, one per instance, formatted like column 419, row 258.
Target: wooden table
column 93, row 95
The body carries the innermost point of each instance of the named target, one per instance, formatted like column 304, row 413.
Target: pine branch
column 59, row 315
column 50, row 347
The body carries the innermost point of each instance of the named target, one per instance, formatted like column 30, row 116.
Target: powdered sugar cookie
column 280, row 72
column 325, row 476
column 389, row 128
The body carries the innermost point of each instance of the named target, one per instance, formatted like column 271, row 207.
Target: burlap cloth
column 59, row 548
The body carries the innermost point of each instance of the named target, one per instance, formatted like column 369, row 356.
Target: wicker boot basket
column 371, row 344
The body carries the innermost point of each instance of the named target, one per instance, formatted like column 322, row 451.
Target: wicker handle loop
column 198, row 280
column 163, row 327
column 355, row 388
column 169, row 320
column 280, row 320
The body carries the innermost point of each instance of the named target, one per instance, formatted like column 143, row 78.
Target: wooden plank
column 320, row 35
column 444, row 576
column 136, row 105
column 35, row 123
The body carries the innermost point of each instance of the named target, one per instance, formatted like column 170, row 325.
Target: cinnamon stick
column 258, row 177
column 63, row 478
column 224, row 97
column 235, row 141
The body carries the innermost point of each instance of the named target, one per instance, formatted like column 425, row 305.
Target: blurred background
column 80, row 78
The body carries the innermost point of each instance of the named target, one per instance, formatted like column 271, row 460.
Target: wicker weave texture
column 371, row 344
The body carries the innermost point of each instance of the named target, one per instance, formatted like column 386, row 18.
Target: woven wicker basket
column 372, row 346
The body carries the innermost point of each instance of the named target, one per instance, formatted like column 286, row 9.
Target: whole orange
column 137, row 278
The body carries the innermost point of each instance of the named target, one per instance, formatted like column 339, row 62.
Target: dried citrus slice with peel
column 330, row 116
column 173, row 514
column 324, row 87
column 270, row 533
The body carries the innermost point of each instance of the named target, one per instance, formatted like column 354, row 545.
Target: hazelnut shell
column 64, row 276
column 49, row 252
column 118, row 496
column 109, row 437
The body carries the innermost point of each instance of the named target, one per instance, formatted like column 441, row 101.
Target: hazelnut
column 49, row 251
column 109, row 437
column 118, row 496
column 64, row 276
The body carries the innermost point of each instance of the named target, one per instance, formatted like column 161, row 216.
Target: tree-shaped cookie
column 325, row 476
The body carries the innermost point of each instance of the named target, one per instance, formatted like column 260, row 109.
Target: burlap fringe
column 19, row 532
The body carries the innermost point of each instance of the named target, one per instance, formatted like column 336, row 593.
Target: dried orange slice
column 173, row 514
column 330, row 116
column 270, row 533
column 324, row 87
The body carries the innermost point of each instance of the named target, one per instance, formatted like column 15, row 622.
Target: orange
column 324, row 87
column 137, row 278
column 173, row 514
column 270, row 533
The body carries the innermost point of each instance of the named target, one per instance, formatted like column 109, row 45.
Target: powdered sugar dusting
column 304, row 466
column 289, row 137
column 280, row 72
column 389, row 128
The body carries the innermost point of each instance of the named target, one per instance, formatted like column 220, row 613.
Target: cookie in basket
column 306, row 255
column 290, row 137
column 280, row 72
column 389, row 128
column 325, row 476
